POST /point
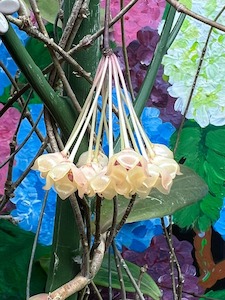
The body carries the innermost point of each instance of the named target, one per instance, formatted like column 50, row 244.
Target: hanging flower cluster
column 137, row 165
column 181, row 64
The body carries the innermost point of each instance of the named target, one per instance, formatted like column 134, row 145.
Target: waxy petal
column 46, row 162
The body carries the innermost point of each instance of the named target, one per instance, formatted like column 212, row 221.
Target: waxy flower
column 135, row 167
column 46, row 162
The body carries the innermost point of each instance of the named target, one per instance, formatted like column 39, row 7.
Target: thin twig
column 106, row 47
column 32, row 31
column 24, row 141
column 55, row 56
column 126, row 213
column 143, row 270
column 120, row 275
column 132, row 280
column 14, row 185
column 69, row 32
column 18, row 97
column 36, row 11
column 87, row 216
column 58, row 138
column 89, row 39
column 8, row 192
column 188, row 293
column 96, row 290
column 98, row 204
column 80, row 281
column 183, row 9
column 125, row 56
column 83, row 237
column 25, row 172
column 50, row 131
column 110, row 292
column 35, row 245
column 13, row 99
column 113, row 228
column 178, row 291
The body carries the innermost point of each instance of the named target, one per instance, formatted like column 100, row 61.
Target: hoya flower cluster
column 135, row 167
column 181, row 63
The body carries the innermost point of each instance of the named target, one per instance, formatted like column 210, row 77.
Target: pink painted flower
column 8, row 124
column 143, row 13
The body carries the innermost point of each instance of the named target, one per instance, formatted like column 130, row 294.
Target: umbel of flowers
column 135, row 168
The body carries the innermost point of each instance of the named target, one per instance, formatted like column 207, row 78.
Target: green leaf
column 187, row 189
column 204, row 151
column 148, row 285
column 48, row 9
column 214, row 294
column 15, row 252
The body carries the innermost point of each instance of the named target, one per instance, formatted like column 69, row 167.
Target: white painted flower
column 7, row 7
column 181, row 63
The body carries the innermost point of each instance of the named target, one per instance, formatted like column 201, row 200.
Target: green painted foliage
column 214, row 295
column 204, row 151
column 148, row 286
column 15, row 252
column 187, row 189
column 48, row 9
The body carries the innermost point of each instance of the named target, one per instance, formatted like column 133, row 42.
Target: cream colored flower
column 167, row 169
column 46, row 162
column 92, row 167
column 67, row 179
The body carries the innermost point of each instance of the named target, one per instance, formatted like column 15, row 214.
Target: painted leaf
column 214, row 295
column 203, row 149
column 15, row 252
column 148, row 286
column 187, row 189
column 48, row 9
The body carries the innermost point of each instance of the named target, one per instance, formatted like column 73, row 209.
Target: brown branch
column 79, row 282
column 32, row 31
column 89, row 39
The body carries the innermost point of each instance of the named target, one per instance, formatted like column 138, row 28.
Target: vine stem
column 83, row 237
column 125, row 56
column 88, row 40
column 106, row 47
column 176, row 291
column 32, row 31
column 126, row 214
column 120, row 274
column 52, row 100
column 35, row 245
column 126, row 269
